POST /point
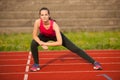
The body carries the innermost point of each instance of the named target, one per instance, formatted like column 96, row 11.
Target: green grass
column 15, row 42
column 84, row 40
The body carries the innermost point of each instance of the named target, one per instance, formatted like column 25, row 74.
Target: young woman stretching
column 49, row 30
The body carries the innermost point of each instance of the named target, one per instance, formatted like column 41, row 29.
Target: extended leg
column 72, row 47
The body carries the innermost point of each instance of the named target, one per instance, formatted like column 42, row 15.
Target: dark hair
column 44, row 8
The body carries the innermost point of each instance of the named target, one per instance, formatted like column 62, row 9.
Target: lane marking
column 116, row 63
column 14, row 55
column 106, row 76
column 27, row 67
column 64, row 58
column 107, row 71
column 70, row 54
column 77, row 57
column 75, row 71
column 12, row 59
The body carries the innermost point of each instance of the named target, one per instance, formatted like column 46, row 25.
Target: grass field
column 84, row 40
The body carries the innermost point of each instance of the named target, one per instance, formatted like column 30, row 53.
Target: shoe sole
column 35, row 70
column 97, row 68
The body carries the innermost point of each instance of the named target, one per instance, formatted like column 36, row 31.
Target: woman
column 49, row 30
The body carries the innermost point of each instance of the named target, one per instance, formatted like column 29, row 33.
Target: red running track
column 60, row 65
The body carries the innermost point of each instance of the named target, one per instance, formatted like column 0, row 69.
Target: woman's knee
column 34, row 43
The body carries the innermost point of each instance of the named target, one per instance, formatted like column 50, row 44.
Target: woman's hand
column 44, row 47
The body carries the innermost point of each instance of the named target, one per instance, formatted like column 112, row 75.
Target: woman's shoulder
column 37, row 20
column 55, row 23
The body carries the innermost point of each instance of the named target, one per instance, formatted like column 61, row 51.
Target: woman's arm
column 35, row 32
column 58, row 36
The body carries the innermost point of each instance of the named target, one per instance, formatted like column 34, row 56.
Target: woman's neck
column 46, row 22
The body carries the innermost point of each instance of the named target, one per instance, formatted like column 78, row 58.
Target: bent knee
column 34, row 43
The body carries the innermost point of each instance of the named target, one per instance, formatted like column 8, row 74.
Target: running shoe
column 97, row 66
column 35, row 67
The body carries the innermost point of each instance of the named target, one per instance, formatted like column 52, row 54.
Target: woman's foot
column 35, row 67
column 97, row 66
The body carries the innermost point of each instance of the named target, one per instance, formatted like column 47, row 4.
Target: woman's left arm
column 58, row 36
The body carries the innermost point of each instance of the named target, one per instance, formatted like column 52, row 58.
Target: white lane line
column 27, row 67
column 90, row 71
column 69, row 54
column 55, row 64
column 65, row 58
column 106, row 76
column 78, row 71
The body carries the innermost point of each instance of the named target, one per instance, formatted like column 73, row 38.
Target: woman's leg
column 34, row 48
column 72, row 47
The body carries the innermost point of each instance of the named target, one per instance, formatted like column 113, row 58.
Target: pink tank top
column 47, row 32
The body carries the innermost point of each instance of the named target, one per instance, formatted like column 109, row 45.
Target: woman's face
column 44, row 15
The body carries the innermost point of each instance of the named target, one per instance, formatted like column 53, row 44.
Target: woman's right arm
column 35, row 32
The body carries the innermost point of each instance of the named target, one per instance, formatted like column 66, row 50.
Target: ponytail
column 51, row 19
